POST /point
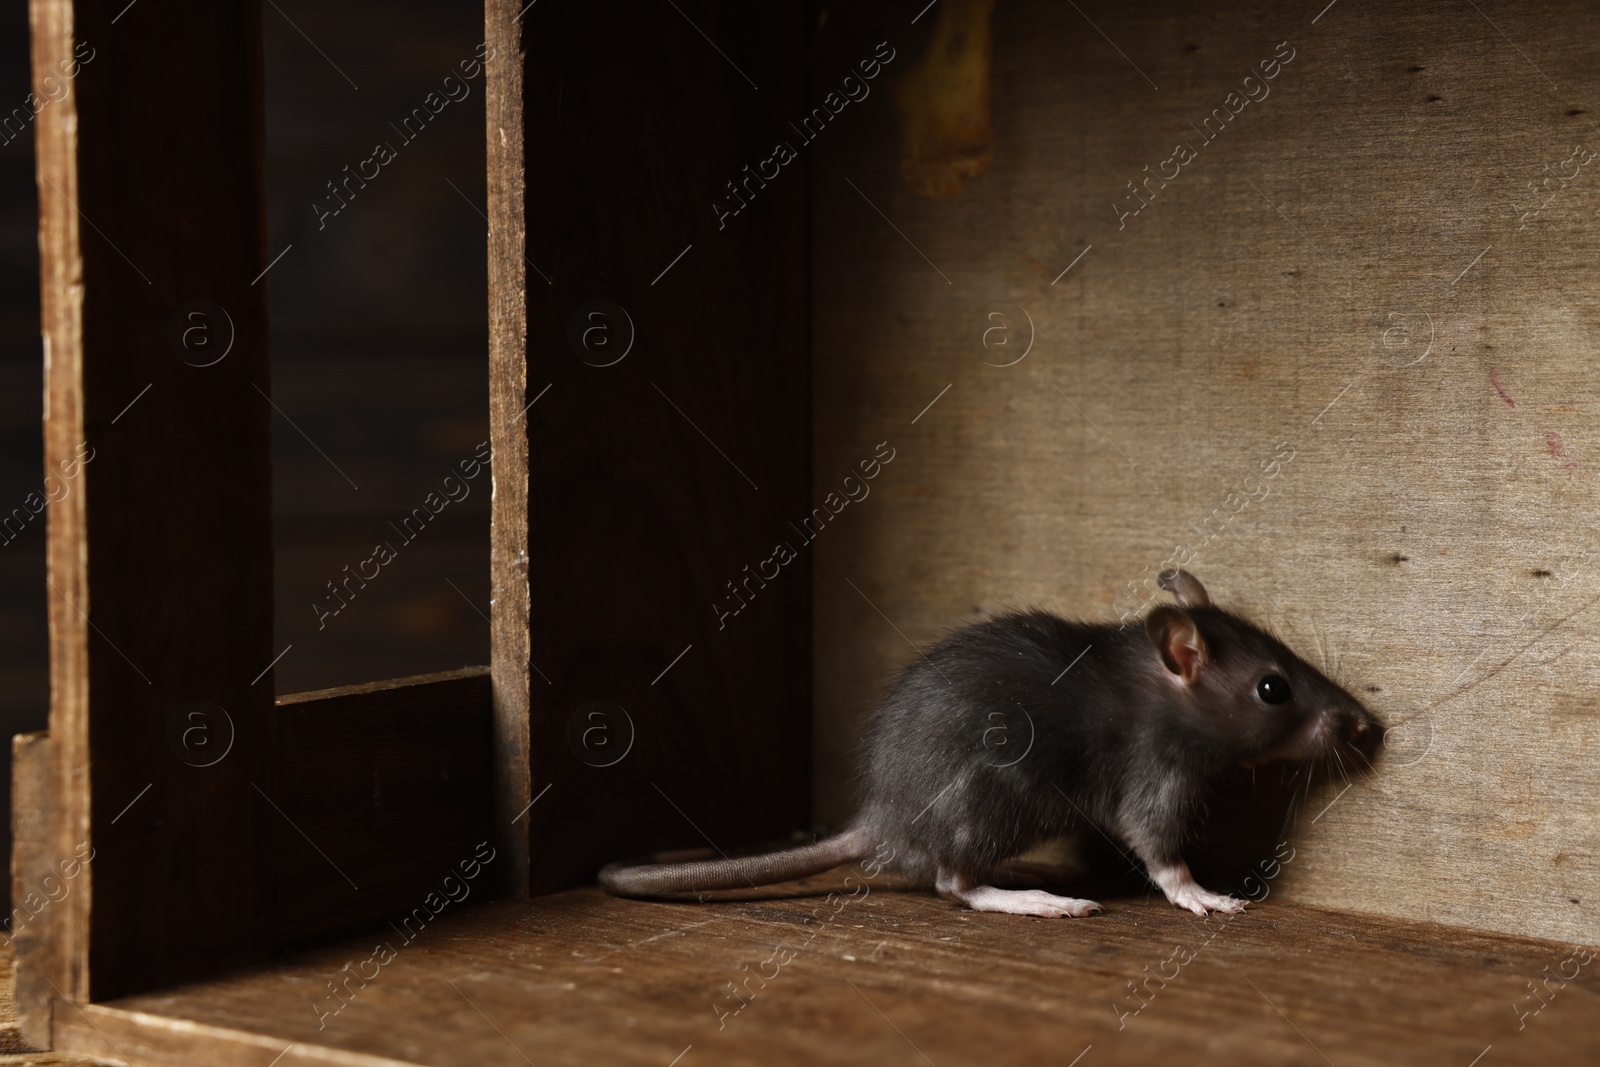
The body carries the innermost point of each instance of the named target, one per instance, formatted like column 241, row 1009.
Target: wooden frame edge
column 34, row 876
column 133, row 1037
column 508, row 430
column 64, row 960
column 339, row 692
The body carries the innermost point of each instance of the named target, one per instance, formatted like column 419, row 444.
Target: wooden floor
column 889, row 978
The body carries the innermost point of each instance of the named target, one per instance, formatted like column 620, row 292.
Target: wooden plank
column 578, row 978
column 61, row 272
column 133, row 1039
column 160, row 555
column 508, row 432
column 384, row 789
column 38, row 887
column 1309, row 294
column 13, row 1046
column 671, row 452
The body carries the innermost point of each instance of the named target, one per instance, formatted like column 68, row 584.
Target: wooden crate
column 695, row 336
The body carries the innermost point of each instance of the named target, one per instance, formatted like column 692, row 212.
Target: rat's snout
column 1364, row 731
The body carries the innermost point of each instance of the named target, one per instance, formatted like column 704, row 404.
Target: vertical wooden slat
column 659, row 472
column 38, row 888
column 508, row 429
column 160, row 556
column 61, row 323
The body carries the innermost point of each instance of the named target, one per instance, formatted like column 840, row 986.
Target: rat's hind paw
column 966, row 888
column 1026, row 902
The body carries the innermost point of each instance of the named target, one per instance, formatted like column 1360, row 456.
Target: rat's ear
column 1178, row 641
column 1186, row 587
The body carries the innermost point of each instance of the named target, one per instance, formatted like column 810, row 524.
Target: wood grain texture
column 1344, row 275
column 35, row 886
column 13, row 1045
column 160, row 553
column 61, row 272
column 662, row 473
column 383, row 789
column 578, row 978
column 508, row 429
column 14, row 1049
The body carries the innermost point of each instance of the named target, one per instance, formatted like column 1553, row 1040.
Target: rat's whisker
column 1344, row 775
column 1322, row 653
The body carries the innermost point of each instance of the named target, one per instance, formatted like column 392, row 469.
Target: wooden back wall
column 1356, row 309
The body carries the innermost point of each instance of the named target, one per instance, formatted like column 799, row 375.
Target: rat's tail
column 661, row 879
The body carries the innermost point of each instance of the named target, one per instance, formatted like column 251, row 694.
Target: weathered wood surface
column 37, row 887
column 578, row 978
column 1346, row 281
column 671, row 451
column 11, row 1035
column 160, row 552
column 62, row 326
column 508, row 425
column 383, row 789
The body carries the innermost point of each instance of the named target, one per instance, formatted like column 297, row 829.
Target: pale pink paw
column 1200, row 900
column 1181, row 889
column 1027, row 902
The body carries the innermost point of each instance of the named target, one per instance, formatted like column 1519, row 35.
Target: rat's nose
column 1366, row 732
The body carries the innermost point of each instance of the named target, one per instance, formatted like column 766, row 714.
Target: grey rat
column 1121, row 728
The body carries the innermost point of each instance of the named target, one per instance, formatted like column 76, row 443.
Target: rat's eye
column 1273, row 689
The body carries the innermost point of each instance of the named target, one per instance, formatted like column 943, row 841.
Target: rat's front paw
column 1200, row 900
column 1181, row 888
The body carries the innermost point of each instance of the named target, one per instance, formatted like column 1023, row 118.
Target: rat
column 1121, row 728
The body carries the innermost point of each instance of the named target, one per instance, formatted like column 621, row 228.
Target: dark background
column 379, row 343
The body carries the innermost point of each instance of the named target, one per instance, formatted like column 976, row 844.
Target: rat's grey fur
column 989, row 746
